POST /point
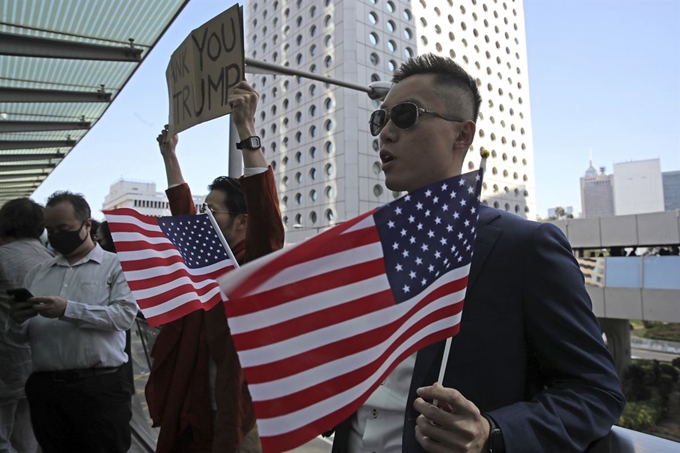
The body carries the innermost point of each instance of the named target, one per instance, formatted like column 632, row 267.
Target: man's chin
column 395, row 185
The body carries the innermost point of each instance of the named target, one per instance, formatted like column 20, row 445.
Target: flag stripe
column 132, row 219
column 289, row 440
column 370, row 251
column 209, row 299
column 296, row 255
column 135, row 237
column 180, row 311
column 174, row 288
column 357, row 352
column 169, row 274
column 312, row 340
column 144, row 269
column 342, row 379
column 276, row 425
column 304, row 301
column 318, row 319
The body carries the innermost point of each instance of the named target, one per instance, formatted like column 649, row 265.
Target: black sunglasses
column 404, row 116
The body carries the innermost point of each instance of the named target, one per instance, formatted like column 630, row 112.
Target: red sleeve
column 181, row 201
column 265, row 232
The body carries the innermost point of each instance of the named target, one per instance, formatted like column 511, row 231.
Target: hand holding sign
column 167, row 143
column 243, row 103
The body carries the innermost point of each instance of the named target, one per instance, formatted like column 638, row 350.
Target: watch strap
column 495, row 443
column 246, row 143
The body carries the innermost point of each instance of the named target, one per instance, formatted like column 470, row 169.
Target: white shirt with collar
column 99, row 309
column 377, row 427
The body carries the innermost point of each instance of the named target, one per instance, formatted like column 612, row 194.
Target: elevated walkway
column 633, row 287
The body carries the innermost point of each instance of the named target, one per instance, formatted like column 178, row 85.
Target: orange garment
column 178, row 391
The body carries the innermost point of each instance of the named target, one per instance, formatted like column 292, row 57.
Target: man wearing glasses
column 181, row 396
column 528, row 371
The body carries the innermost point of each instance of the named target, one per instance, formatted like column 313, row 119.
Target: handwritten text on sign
column 204, row 69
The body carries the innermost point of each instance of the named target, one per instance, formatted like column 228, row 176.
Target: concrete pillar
column 617, row 332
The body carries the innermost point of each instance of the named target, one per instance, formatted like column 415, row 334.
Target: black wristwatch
column 249, row 143
column 495, row 443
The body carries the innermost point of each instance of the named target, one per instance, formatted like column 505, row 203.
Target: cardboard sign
column 204, row 70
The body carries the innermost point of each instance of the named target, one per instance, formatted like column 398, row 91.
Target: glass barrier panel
column 623, row 272
column 661, row 272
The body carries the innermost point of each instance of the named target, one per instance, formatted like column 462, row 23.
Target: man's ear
column 87, row 226
column 465, row 136
column 241, row 221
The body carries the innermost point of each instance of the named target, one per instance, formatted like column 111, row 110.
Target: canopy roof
column 62, row 63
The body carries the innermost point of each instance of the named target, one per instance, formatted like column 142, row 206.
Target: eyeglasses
column 404, row 116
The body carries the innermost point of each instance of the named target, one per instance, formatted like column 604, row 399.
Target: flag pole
column 447, row 347
column 206, row 210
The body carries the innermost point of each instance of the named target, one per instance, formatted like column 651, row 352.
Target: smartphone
column 20, row 294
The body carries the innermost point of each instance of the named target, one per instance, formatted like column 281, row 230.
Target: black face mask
column 65, row 242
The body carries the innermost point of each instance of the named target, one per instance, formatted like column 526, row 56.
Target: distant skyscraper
column 140, row 196
column 316, row 135
column 597, row 193
column 671, row 190
column 638, row 188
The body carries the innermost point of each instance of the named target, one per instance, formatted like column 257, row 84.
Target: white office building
column 142, row 197
column 316, row 135
column 638, row 187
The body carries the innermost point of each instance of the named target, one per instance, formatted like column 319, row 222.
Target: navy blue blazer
column 530, row 352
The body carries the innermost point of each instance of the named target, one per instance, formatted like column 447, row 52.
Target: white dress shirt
column 377, row 426
column 99, row 309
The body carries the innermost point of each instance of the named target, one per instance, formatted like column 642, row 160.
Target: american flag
column 318, row 326
column 170, row 263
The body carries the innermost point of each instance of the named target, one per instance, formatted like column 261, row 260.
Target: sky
column 604, row 77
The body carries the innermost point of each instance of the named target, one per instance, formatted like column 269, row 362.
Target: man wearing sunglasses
column 196, row 390
column 528, row 371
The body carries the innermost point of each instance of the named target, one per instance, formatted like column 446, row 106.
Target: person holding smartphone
column 21, row 224
column 79, row 394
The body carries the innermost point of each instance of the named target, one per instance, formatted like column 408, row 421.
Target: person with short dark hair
column 529, row 371
column 21, row 225
column 81, row 306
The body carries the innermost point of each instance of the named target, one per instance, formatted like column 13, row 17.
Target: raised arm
column 167, row 146
column 244, row 103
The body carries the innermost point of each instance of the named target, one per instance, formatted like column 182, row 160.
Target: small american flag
column 319, row 325
column 170, row 263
